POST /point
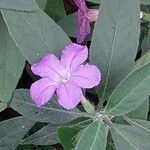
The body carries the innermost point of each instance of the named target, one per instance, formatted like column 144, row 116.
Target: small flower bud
column 89, row 108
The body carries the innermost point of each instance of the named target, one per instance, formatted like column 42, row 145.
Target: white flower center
column 66, row 77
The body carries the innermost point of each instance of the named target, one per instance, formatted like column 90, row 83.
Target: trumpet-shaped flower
column 85, row 16
column 65, row 76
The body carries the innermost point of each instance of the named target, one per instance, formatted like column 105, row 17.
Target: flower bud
column 89, row 108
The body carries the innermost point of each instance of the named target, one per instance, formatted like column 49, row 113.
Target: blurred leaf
column 55, row 9
column 133, row 90
column 52, row 112
column 95, row 1
column 18, row 5
column 69, row 25
column 35, row 34
column 11, row 65
column 133, row 137
column 94, row 137
column 12, row 131
column 144, row 2
column 31, row 147
column 145, row 44
column 67, row 136
column 140, row 112
column 2, row 106
column 45, row 136
column 115, row 42
column 42, row 4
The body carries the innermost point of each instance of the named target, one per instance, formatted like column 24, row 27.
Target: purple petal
column 74, row 55
column 86, row 76
column 69, row 95
column 81, row 4
column 84, row 28
column 42, row 90
column 49, row 67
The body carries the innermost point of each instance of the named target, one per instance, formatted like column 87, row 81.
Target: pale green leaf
column 133, row 90
column 11, row 64
column 12, row 131
column 18, row 5
column 115, row 42
column 94, row 137
column 52, row 112
column 35, row 34
column 42, row 3
column 132, row 137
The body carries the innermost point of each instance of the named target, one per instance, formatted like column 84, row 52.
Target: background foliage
column 119, row 45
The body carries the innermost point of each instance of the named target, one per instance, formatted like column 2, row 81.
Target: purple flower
column 85, row 17
column 65, row 76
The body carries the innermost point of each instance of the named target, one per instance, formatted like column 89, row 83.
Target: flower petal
column 84, row 28
column 69, row 95
column 49, row 67
column 86, row 76
column 81, row 4
column 42, row 90
column 73, row 55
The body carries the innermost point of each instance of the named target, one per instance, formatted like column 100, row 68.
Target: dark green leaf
column 140, row 112
column 67, row 136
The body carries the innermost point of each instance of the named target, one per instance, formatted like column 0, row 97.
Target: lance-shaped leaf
column 140, row 112
column 115, row 41
column 52, row 112
column 133, row 137
column 11, row 64
column 94, row 137
column 19, row 5
column 35, row 34
column 45, row 136
column 133, row 90
column 12, row 131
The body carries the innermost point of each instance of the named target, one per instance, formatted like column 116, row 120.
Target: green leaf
column 52, row 112
column 45, row 136
column 35, row 34
column 55, row 9
column 69, row 25
column 42, row 4
column 95, row 1
column 140, row 112
column 67, row 136
column 133, row 137
column 115, row 42
column 2, row 106
column 12, row 131
column 11, row 64
column 18, row 5
column 144, row 2
column 94, row 137
column 133, row 90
